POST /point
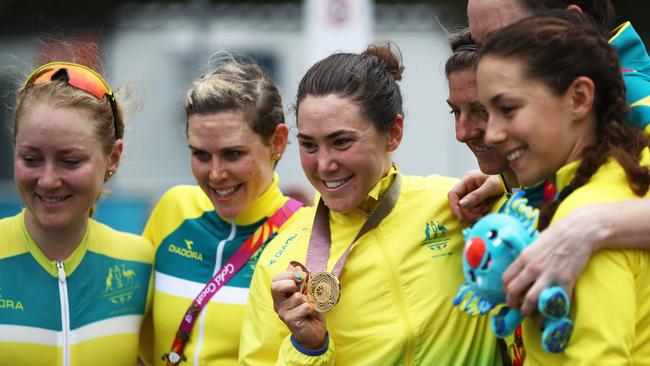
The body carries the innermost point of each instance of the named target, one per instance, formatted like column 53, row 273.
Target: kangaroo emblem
column 109, row 280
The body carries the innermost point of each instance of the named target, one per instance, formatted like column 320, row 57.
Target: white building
column 157, row 50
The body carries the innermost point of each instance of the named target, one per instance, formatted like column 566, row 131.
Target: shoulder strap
column 225, row 273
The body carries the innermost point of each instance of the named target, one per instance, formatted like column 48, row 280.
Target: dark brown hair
column 601, row 11
column 238, row 87
column 556, row 49
column 464, row 50
column 369, row 79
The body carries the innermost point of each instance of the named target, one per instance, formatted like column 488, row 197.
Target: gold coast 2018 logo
column 120, row 284
column 10, row 304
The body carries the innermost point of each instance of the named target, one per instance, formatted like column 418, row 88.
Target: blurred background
column 153, row 50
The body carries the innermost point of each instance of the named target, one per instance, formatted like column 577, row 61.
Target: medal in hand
column 322, row 289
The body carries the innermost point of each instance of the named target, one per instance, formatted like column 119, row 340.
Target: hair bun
column 461, row 40
column 392, row 59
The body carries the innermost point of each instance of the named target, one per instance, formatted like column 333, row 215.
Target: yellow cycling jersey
column 86, row 310
column 611, row 299
column 191, row 243
column 397, row 288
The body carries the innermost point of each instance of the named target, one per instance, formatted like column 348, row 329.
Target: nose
column 474, row 251
column 218, row 171
column 326, row 161
column 495, row 134
column 466, row 129
column 49, row 177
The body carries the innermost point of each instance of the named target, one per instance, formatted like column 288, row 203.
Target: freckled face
column 231, row 163
column 59, row 166
column 341, row 152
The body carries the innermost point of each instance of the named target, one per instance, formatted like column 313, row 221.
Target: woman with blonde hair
column 208, row 237
column 72, row 290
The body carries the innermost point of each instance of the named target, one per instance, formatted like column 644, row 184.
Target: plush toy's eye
column 492, row 234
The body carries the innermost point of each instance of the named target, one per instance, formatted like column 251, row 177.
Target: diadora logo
column 436, row 238
column 120, row 284
column 10, row 304
column 186, row 251
column 290, row 239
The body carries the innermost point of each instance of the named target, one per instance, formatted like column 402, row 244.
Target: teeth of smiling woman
column 226, row 192
column 336, row 183
column 515, row 155
column 52, row 199
column 481, row 148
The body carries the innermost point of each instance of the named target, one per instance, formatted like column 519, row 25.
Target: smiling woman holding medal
column 368, row 275
column 208, row 237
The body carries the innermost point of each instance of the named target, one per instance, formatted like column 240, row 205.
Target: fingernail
column 298, row 276
column 464, row 202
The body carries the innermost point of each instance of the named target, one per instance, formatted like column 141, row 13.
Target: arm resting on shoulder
column 562, row 251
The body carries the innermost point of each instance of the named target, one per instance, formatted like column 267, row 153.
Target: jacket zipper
column 218, row 263
column 65, row 312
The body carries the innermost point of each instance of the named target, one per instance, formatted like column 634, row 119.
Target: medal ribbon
column 320, row 240
column 224, row 274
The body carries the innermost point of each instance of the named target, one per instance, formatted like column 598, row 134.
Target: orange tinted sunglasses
column 78, row 76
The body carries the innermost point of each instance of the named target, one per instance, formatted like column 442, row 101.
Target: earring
column 109, row 173
column 275, row 156
column 577, row 115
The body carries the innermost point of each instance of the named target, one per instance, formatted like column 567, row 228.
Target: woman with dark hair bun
column 366, row 277
column 556, row 100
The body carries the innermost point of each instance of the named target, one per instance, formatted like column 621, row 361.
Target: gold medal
column 323, row 291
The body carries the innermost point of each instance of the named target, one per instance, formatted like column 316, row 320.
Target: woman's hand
column 471, row 198
column 306, row 324
column 557, row 257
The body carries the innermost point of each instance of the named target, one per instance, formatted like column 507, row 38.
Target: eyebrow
column 472, row 104
column 233, row 147
column 475, row 104
column 330, row 136
column 495, row 99
column 70, row 150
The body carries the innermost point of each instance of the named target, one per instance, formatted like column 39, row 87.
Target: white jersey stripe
column 127, row 324
column 189, row 289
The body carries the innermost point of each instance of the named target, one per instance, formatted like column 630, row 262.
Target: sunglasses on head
column 79, row 77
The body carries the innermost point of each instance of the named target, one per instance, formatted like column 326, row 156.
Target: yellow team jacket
column 191, row 243
column 611, row 300
column 86, row 310
column 397, row 288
